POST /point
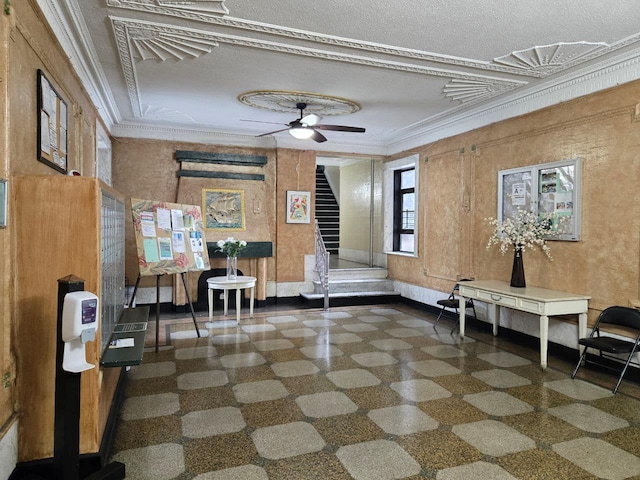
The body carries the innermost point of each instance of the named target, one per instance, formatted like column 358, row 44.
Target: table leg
column 210, row 299
column 496, row 319
column 251, row 302
column 226, row 301
column 582, row 329
column 238, row 291
column 544, row 338
column 462, row 309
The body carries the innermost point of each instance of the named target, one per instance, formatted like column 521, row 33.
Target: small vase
column 517, row 272
column 232, row 268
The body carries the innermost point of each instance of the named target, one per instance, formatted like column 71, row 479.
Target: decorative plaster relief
column 154, row 41
column 468, row 92
column 286, row 102
column 549, row 59
column 212, row 7
column 162, row 45
column 164, row 114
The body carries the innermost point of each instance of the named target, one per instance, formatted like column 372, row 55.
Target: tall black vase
column 517, row 272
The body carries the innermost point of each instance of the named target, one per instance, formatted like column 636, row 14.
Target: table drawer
column 497, row 298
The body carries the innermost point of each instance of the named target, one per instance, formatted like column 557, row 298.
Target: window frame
column 398, row 208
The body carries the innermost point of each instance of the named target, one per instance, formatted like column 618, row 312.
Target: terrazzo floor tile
column 245, row 472
column 261, row 391
column 452, row 411
column 433, row 368
column 325, row 404
column 267, row 414
column 499, row 378
column 156, row 462
column 542, row 465
column 475, row 471
column 217, row 421
column 367, row 392
column 493, row 438
column 498, row 403
column 311, row 466
column 599, row 458
column 377, row 460
column 588, row 418
column 152, row 370
column 288, row 440
column 433, row 449
column 402, row 419
column 354, row 378
column 420, row 390
column 578, row 389
column 348, row 429
column 150, row 406
column 206, row 379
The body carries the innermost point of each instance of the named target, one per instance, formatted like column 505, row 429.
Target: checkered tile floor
column 369, row 393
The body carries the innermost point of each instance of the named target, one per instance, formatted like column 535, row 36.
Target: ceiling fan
column 307, row 126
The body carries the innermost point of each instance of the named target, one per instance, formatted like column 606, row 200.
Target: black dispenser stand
column 66, row 436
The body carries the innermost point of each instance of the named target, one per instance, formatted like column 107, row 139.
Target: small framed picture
column 298, row 207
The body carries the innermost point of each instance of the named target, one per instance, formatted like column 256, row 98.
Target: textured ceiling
column 418, row 70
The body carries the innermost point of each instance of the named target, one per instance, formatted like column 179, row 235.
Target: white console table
column 539, row 301
column 223, row 283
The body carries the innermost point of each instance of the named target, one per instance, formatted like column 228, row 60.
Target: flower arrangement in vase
column 231, row 247
column 526, row 230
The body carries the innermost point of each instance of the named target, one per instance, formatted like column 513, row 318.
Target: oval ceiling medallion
column 286, row 102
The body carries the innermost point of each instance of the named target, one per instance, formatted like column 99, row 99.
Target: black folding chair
column 453, row 302
column 607, row 345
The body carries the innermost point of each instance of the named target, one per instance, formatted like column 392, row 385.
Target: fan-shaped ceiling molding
column 550, row 58
column 161, row 46
column 471, row 91
column 287, row 102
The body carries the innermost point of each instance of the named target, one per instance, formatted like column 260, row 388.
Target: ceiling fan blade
column 271, row 133
column 340, row 128
column 259, row 121
column 318, row 137
column 311, row 119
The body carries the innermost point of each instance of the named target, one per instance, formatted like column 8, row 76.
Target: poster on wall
column 169, row 237
column 298, row 207
column 52, row 125
column 223, row 209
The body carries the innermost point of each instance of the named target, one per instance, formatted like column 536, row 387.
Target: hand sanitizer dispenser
column 79, row 323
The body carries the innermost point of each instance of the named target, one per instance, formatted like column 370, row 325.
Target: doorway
column 356, row 184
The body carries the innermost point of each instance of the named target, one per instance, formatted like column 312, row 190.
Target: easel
column 186, row 291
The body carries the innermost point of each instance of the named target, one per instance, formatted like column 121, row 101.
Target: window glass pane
column 406, row 243
column 408, row 179
column 407, row 219
column 408, row 201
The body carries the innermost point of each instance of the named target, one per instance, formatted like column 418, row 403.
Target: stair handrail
column 322, row 265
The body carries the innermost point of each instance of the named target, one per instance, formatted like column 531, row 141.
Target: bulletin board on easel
column 169, row 237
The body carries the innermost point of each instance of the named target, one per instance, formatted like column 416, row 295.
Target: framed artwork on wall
column 52, row 126
column 298, row 207
column 223, row 209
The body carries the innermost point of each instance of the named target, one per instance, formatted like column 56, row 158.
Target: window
column 404, row 208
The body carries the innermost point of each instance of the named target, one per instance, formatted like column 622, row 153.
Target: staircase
column 354, row 286
column 327, row 212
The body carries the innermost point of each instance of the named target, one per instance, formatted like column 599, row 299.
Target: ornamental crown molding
column 549, row 59
column 211, row 7
column 284, row 101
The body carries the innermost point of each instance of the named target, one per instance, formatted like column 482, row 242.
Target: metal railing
column 322, row 265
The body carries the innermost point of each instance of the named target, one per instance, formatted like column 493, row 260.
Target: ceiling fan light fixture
column 301, row 133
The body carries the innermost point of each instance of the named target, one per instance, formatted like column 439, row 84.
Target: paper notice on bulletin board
column 169, row 237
